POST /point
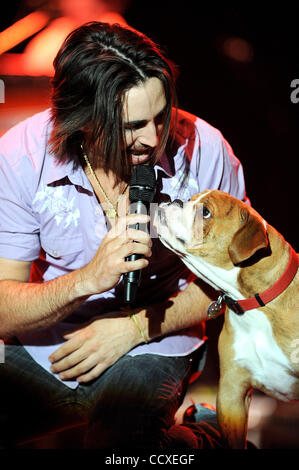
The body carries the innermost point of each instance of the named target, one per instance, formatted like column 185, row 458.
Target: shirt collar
column 59, row 170
column 166, row 164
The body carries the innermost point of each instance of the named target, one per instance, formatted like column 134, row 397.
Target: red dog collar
column 260, row 300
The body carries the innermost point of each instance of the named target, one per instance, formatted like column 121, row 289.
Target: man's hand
column 90, row 350
column 93, row 348
column 107, row 266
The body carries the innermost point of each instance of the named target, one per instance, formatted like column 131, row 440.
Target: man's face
column 144, row 111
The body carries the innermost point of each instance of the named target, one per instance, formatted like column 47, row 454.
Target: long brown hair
column 95, row 66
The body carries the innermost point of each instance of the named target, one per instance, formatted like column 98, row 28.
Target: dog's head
column 214, row 226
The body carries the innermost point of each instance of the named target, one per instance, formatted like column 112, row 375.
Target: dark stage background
column 249, row 102
column 236, row 66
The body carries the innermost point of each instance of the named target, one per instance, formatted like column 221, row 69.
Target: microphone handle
column 132, row 278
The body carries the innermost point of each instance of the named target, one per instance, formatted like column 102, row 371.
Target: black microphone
column 142, row 191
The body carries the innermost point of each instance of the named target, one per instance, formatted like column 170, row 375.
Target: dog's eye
column 206, row 213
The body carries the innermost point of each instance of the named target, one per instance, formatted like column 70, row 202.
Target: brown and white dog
column 227, row 243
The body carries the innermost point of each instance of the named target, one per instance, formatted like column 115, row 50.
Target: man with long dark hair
column 74, row 355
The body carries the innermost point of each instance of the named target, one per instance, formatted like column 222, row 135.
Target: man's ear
column 250, row 237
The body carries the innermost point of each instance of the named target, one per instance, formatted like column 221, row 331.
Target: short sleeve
column 19, row 228
column 218, row 167
column 232, row 180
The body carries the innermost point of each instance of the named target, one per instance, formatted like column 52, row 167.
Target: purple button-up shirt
column 50, row 215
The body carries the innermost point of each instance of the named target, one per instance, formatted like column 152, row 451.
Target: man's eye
column 133, row 127
column 206, row 213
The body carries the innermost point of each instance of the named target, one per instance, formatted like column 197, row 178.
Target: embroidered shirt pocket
column 67, row 252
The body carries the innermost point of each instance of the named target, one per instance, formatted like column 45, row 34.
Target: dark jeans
column 132, row 404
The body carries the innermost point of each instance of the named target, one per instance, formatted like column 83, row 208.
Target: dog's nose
column 178, row 202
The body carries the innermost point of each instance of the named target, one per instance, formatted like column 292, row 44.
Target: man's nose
column 150, row 136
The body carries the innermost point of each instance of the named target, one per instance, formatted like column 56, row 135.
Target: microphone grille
column 143, row 184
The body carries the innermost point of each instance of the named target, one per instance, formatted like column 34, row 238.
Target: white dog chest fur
column 256, row 350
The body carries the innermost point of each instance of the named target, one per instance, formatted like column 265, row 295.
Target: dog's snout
column 163, row 210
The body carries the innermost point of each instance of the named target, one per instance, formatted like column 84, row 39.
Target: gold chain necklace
column 112, row 210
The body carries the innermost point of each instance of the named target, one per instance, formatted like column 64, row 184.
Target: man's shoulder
column 189, row 125
column 34, row 124
column 27, row 138
column 189, row 130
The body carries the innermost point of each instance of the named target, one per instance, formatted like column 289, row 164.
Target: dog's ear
column 250, row 237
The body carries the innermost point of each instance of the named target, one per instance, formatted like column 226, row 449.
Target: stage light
column 238, row 49
column 22, row 29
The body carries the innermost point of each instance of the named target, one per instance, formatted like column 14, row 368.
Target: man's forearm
column 27, row 306
column 187, row 309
